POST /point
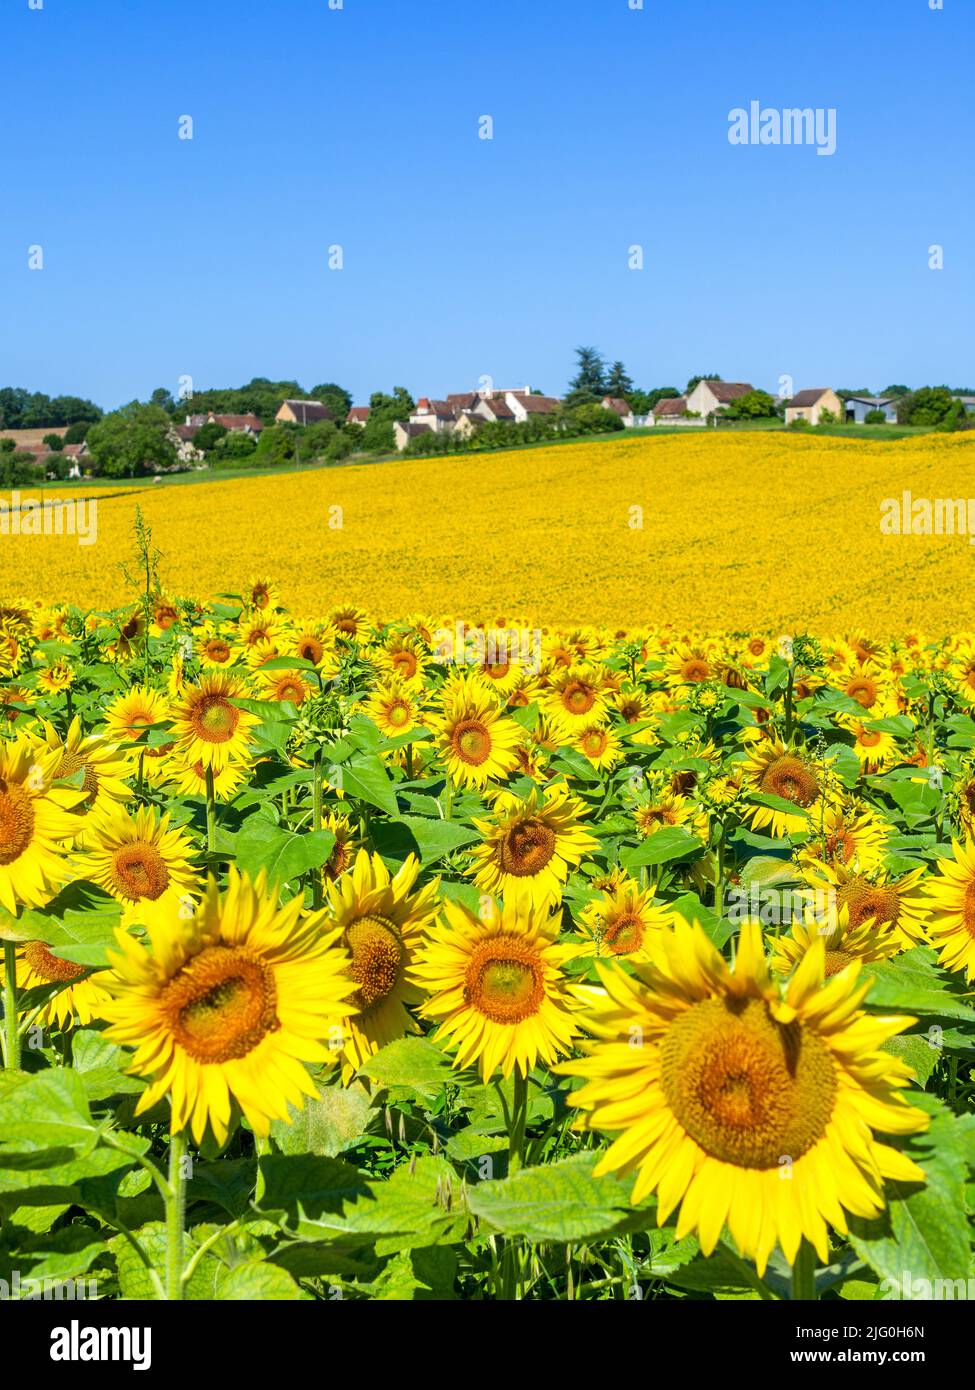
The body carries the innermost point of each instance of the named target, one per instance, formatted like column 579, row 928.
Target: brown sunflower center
column 471, row 741
column 526, row 847
column 625, row 934
column 840, row 847
column 291, row 689
column 865, row 900
column 405, row 664
column 218, row 650
column 594, row 743
column 695, row 669
column 835, row 962
column 221, row 1004
column 863, row 690
column 578, row 697
column 214, row 719
column 377, row 955
column 311, row 649
column 968, row 909
column 139, row 871
column 505, row 980
column 869, row 738
column 16, row 821
column 749, row 1090
column 398, row 713
column 497, row 670
column 49, row 966
column 792, row 780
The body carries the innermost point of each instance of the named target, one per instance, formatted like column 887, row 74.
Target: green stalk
column 804, row 1274
column 175, row 1218
column 317, row 893
column 448, row 802
column 519, row 1122
column 211, row 812
column 11, row 1033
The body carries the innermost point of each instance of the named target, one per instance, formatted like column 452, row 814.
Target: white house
column 711, row 396
column 525, row 406
column 810, row 404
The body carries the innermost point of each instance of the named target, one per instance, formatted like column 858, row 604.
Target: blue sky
column 466, row 257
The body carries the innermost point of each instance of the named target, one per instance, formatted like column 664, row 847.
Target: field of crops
column 719, row 531
column 373, row 955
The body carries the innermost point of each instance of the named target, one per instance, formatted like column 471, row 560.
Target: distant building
column 358, row 415
column 968, row 402
column 440, row 416
column 493, row 408
column 302, row 413
column 711, row 396
column 467, row 424
column 857, row 408
column 809, row 405
column 235, row 424
column 670, row 408
column 617, row 405
column 404, row 431
column 525, row 406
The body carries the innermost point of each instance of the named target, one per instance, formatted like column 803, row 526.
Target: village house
column 302, row 413
column 440, row 416
column 403, row 432
column 492, row 408
column 709, row 397
column 857, row 408
column 668, row 410
column 809, row 405
column 358, row 415
column 234, row 424
column 523, row 405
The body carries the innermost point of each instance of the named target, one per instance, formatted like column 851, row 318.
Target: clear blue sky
column 466, row 257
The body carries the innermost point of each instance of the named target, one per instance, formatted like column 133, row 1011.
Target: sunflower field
column 424, row 957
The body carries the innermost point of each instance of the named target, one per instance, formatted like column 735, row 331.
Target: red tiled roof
column 671, row 405
column 617, row 404
column 238, row 422
column 307, row 412
column 500, row 409
column 808, row 397
column 358, row 414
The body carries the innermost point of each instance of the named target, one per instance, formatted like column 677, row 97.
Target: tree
column 276, row 446
column 134, row 440
column 77, row 433
column 162, row 397
column 928, row 406
column 593, row 419
column 896, row 391
column 706, row 376
column 755, row 405
column 336, row 398
column 384, row 411
column 875, row 417
column 661, row 393
column 236, row 445
column 317, row 439
column 55, row 442
column 618, row 382
column 590, row 372
column 209, row 435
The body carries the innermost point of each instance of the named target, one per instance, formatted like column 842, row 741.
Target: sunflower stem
column 804, row 1274
column 448, row 799
column 316, row 882
column 175, row 1217
column 519, row 1121
column 11, row 1033
column 211, row 812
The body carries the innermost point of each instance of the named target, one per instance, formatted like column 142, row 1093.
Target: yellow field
column 739, row 531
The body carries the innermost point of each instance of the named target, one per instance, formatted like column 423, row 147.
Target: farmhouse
column 809, row 405
column 358, row 415
column 403, row 433
column 857, row 408
column 523, row 405
column 302, row 413
column 670, row 408
column 711, row 396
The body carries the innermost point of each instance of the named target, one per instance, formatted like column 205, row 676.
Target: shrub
column 875, row 417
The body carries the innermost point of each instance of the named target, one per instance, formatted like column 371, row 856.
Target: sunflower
column 129, row 715
column 312, row 641
column 475, row 741
column 402, row 657
column 871, row 686
column 208, row 727
column 345, row 847
column 733, row 1082
column 289, row 686
column 381, row 925
column 214, row 649
column 36, row 823
column 131, row 635
column 56, row 677
column 854, row 836
column 624, row 921
column 228, row 1006
column 688, row 663
column 498, row 990
column 393, row 706
column 139, row 859
column 349, row 621
column 530, row 845
column 190, row 779
column 876, row 749
column 255, row 627
column 102, row 765
column 575, row 696
column 165, row 615
column 951, row 903
column 82, row 998
column 661, row 806
column 842, row 940
column 598, row 743
column 261, row 594
column 873, row 897
column 962, row 670
column 771, row 769
column 10, row 697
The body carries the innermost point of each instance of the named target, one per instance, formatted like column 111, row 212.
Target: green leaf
column 46, row 1114
column 366, row 779
column 410, row 1064
column 285, row 855
column 668, row 843
column 332, row 1123
column 435, row 838
column 559, row 1202
column 257, row 1281
column 915, row 983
